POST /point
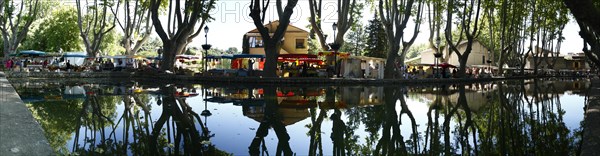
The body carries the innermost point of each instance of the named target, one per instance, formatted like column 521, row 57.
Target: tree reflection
column 59, row 121
column 392, row 142
column 180, row 120
column 95, row 116
column 499, row 118
column 135, row 121
column 315, row 131
column 488, row 119
column 133, row 133
column 511, row 123
column 272, row 119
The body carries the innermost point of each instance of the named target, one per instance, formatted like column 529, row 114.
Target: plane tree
column 133, row 18
column 94, row 24
column 272, row 43
column 466, row 13
column 346, row 10
column 181, row 25
column 395, row 15
column 15, row 20
column 435, row 20
column 586, row 13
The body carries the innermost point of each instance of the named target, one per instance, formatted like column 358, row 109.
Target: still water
column 526, row 117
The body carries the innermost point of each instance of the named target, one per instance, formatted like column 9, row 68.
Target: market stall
column 300, row 65
column 362, row 67
column 219, row 65
column 331, row 59
column 248, row 64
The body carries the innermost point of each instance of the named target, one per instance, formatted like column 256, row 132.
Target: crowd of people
column 416, row 72
column 62, row 64
column 16, row 64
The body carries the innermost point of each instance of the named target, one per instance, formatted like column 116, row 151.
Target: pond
column 522, row 117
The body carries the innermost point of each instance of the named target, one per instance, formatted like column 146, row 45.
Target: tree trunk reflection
column 272, row 119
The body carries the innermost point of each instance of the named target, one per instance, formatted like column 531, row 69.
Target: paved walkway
column 591, row 127
column 20, row 134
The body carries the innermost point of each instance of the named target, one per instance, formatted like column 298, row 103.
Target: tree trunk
column 127, row 45
column 463, row 66
column 271, row 54
column 464, row 58
column 390, row 63
column 168, row 59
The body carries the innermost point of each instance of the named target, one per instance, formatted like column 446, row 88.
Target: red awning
column 445, row 65
column 288, row 94
column 297, row 56
column 329, row 53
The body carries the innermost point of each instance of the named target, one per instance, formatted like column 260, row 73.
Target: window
column 255, row 42
column 483, row 59
column 300, row 44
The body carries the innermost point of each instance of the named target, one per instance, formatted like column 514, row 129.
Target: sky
column 232, row 22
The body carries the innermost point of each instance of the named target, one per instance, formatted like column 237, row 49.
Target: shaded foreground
column 20, row 134
column 130, row 118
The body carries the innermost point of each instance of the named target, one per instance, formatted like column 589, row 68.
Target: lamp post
column 205, row 113
column 335, row 47
column 489, row 61
column 159, row 57
column 437, row 56
column 205, row 46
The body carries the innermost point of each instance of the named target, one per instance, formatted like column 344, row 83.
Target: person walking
column 45, row 64
column 19, row 64
column 68, row 66
column 8, row 64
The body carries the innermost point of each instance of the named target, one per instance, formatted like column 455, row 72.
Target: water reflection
column 500, row 118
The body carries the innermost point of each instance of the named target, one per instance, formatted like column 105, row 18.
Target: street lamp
column 205, row 46
column 335, row 47
column 489, row 61
column 437, row 56
column 437, row 59
column 159, row 57
column 205, row 113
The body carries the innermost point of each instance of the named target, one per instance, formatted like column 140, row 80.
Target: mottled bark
column 181, row 26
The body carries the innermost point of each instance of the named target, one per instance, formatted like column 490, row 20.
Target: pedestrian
column 25, row 63
column 45, row 64
column 8, row 64
column 12, row 63
column 454, row 72
column 68, row 66
column 19, row 64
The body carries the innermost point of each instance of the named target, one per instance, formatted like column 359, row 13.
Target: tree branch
column 154, row 5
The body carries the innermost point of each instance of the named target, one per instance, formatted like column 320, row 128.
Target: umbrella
column 75, row 55
column 248, row 56
column 31, row 53
column 137, row 57
column 153, row 58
